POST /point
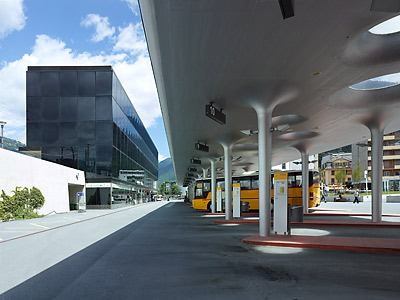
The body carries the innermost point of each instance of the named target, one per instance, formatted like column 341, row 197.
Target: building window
column 332, row 180
column 283, row 166
column 387, row 164
column 332, row 173
column 386, row 173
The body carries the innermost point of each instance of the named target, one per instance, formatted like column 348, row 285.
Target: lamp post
column 2, row 123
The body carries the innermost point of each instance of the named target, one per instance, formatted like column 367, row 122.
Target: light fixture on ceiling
column 279, row 128
column 316, row 73
column 249, row 132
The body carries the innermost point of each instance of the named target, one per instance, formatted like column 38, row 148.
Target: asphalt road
column 176, row 253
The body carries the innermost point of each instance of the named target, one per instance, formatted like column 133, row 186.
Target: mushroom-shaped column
column 303, row 146
column 263, row 97
column 376, row 166
column 213, row 186
column 264, row 118
column 305, row 180
column 379, row 108
column 228, row 180
column 376, row 124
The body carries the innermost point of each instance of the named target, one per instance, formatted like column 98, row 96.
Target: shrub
column 22, row 204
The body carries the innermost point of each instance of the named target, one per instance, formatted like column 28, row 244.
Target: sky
column 76, row 32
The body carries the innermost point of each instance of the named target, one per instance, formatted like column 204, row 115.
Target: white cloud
column 161, row 157
column 131, row 38
column 103, row 28
column 135, row 75
column 133, row 5
column 12, row 16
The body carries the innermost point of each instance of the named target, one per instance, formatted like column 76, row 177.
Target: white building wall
column 50, row 178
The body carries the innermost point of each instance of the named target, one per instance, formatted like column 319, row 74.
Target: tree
column 341, row 176
column 22, row 204
column 173, row 189
column 357, row 173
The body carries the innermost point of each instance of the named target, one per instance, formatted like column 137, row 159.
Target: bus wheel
column 209, row 206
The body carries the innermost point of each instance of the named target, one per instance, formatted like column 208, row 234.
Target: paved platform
column 176, row 253
column 327, row 242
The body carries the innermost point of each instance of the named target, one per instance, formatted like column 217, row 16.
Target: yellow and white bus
column 249, row 190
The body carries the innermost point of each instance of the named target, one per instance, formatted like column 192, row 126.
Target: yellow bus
column 249, row 190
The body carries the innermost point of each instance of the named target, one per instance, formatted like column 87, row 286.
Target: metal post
column 305, row 180
column 228, row 181
column 264, row 160
column 213, row 186
column 376, row 166
column 2, row 123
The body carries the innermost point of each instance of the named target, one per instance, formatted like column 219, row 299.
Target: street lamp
column 2, row 123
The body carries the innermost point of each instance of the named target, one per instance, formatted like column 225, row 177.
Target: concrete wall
column 52, row 179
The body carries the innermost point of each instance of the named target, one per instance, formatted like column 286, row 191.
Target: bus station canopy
column 305, row 66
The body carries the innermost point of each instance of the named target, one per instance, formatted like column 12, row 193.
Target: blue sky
column 75, row 32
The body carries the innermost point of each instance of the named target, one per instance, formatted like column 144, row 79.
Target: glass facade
column 82, row 117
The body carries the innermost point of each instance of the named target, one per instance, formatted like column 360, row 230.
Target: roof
column 336, row 156
column 238, row 54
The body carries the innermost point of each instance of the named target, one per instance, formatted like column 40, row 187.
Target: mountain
column 12, row 145
column 165, row 171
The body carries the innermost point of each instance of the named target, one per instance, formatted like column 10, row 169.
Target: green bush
column 22, row 204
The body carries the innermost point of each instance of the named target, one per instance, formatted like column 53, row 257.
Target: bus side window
column 254, row 183
column 245, row 184
column 299, row 180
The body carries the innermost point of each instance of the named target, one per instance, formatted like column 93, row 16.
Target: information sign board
column 219, row 199
column 236, row 200
column 281, row 203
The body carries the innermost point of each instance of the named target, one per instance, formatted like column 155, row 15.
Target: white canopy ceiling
column 238, row 52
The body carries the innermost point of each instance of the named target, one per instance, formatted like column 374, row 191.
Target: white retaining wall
column 50, row 178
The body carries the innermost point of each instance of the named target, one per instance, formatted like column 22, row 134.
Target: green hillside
column 12, row 145
column 165, row 171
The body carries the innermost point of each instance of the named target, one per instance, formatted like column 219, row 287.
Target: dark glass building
column 81, row 117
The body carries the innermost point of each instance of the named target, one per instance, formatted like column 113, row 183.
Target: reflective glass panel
column 68, row 84
column 49, row 84
column 34, row 134
column 68, row 133
column 86, row 133
column 50, row 133
column 104, row 133
column 50, row 108
column 103, row 83
column 33, row 109
column 103, row 108
column 86, row 109
column 86, row 84
column 68, row 109
column 33, row 84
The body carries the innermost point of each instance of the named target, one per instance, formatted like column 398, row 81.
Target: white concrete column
column 204, row 173
column 228, row 181
column 377, row 167
column 213, row 186
column 305, row 180
column 264, row 166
